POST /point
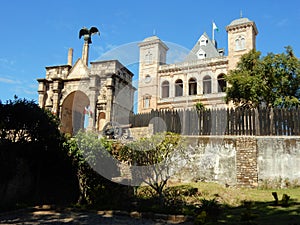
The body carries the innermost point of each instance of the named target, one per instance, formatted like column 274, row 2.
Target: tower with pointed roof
column 199, row 78
column 153, row 53
column 241, row 39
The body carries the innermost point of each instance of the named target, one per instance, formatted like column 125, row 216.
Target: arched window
column 192, row 86
column 237, row 44
column 148, row 57
column 165, row 88
column 178, row 88
column 221, row 83
column 240, row 43
column 243, row 46
column 207, row 85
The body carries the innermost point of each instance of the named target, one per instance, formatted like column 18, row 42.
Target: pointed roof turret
column 242, row 22
column 204, row 48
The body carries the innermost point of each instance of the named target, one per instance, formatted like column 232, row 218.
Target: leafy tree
column 95, row 168
column 24, row 121
column 31, row 155
column 272, row 80
column 154, row 159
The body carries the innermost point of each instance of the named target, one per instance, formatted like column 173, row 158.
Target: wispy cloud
column 100, row 50
column 26, row 90
column 9, row 81
column 282, row 22
column 7, row 64
column 4, row 61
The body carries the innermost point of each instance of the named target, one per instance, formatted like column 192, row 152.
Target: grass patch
column 211, row 203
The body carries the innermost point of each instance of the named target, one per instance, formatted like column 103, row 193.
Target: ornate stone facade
column 87, row 97
column 200, row 78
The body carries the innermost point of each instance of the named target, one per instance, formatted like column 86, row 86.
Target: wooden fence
column 222, row 121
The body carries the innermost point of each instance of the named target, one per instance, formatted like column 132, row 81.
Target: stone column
column 109, row 97
column 94, row 92
column 70, row 57
column 246, row 162
column 85, row 53
column 42, row 92
column 56, row 95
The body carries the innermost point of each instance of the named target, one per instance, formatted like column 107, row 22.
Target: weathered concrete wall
column 248, row 161
column 278, row 160
column 244, row 161
column 211, row 159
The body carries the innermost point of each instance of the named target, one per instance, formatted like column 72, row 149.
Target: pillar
column 93, row 101
column 70, row 57
column 56, row 95
column 246, row 162
column 85, row 53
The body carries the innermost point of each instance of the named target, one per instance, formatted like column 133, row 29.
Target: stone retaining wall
column 248, row 161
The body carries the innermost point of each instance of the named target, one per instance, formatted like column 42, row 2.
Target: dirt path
column 50, row 216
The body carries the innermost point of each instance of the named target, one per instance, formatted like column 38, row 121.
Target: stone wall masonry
column 139, row 132
column 211, row 159
column 278, row 160
column 245, row 161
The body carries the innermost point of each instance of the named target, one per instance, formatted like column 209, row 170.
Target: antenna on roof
column 241, row 14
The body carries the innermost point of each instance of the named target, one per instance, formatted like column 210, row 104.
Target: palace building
column 88, row 97
column 199, row 78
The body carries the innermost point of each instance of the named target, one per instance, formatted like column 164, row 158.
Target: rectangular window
column 147, row 102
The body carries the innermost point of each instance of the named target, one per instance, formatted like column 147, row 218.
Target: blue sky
column 35, row 34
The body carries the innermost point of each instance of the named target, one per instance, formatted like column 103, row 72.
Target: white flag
column 215, row 27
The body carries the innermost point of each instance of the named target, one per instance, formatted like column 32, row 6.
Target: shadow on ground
column 261, row 213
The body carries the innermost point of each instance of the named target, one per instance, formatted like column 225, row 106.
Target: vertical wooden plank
column 275, row 121
column 194, row 122
column 220, row 124
column 232, row 121
column 292, row 124
column 213, row 122
column 242, row 121
column 279, row 117
column 260, row 111
column 262, row 121
column 237, row 115
column 253, row 128
column 207, row 119
column 297, row 121
column 202, row 121
column 246, row 115
column 268, row 124
column 199, row 121
column 227, row 131
column 205, row 122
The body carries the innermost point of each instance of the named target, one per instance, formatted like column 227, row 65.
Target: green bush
column 87, row 152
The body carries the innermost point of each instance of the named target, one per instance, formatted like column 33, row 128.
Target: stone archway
column 73, row 112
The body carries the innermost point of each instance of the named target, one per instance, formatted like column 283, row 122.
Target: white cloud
column 6, row 62
column 25, row 91
column 282, row 22
column 100, row 50
column 8, row 81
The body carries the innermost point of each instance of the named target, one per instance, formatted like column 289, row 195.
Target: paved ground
column 50, row 216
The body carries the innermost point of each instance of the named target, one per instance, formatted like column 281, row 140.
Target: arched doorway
column 101, row 120
column 73, row 112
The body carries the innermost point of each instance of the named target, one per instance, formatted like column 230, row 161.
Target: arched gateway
column 87, row 97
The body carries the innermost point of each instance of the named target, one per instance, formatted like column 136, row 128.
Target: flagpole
column 213, row 31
